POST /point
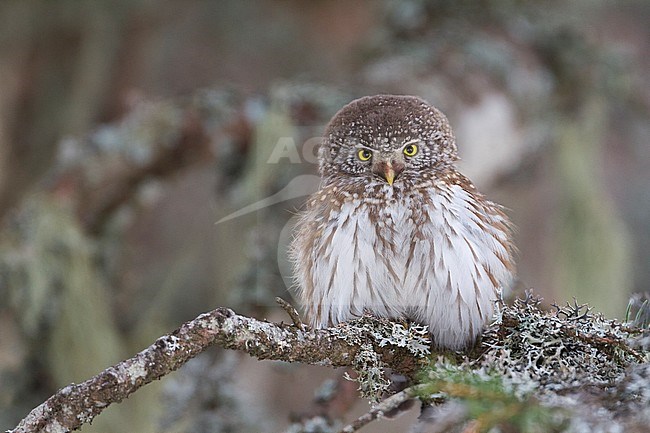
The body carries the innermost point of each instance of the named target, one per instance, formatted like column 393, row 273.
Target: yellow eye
column 364, row 154
column 411, row 150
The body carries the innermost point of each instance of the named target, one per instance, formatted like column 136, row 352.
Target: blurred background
column 129, row 128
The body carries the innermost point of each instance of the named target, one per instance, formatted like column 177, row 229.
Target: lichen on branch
column 531, row 365
column 77, row 404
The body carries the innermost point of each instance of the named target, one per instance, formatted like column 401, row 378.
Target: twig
column 291, row 312
column 387, row 405
column 77, row 404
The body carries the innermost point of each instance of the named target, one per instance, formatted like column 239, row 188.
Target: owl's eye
column 364, row 154
column 411, row 150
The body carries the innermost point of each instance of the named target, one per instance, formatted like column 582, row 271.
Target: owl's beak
column 389, row 174
column 389, row 170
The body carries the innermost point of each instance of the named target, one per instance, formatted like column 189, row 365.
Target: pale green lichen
column 560, row 350
column 136, row 370
column 172, row 343
column 371, row 376
column 486, row 396
column 413, row 337
column 271, row 332
column 567, row 370
column 383, row 332
column 368, row 332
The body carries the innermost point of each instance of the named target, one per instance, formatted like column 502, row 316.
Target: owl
column 395, row 230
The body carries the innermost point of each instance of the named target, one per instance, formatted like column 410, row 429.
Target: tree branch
column 389, row 404
column 77, row 404
column 291, row 312
column 562, row 354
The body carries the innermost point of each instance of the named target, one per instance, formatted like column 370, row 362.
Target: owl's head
column 386, row 138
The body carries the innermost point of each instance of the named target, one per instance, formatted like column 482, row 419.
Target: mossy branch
column 528, row 364
column 77, row 404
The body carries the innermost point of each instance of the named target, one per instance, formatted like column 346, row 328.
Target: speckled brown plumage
column 395, row 229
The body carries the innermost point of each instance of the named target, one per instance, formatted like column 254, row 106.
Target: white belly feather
column 448, row 284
